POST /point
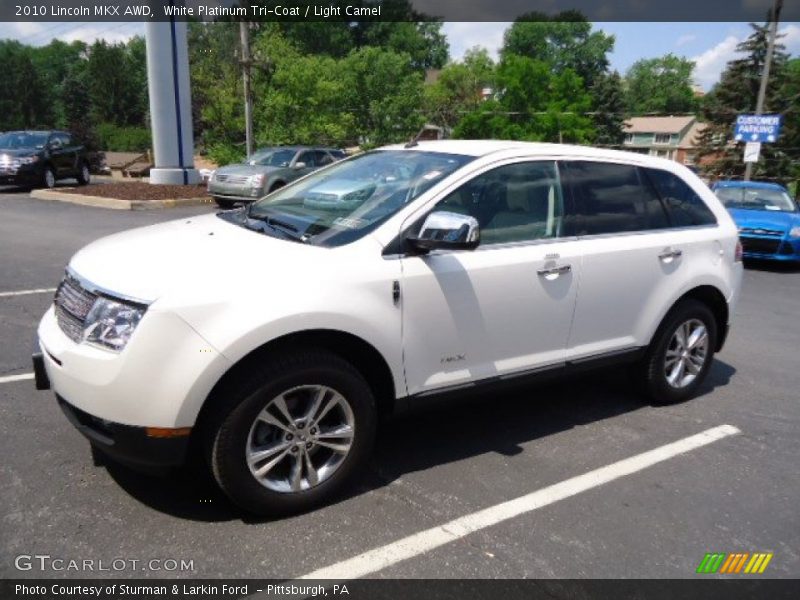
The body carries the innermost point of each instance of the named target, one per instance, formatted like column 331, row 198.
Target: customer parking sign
column 757, row 128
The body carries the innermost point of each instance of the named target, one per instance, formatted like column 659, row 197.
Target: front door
column 504, row 308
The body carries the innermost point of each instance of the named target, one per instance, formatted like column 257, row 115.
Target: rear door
column 633, row 261
column 505, row 308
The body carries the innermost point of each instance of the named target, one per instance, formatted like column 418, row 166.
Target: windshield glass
column 341, row 203
column 755, row 199
column 23, row 139
column 272, row 158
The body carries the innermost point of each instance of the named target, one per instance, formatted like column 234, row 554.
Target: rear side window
column 613, row 198
column 685, row 207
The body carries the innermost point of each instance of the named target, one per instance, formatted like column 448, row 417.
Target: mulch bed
column 138, row 190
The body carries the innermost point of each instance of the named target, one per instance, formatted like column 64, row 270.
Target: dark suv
column 40, row 158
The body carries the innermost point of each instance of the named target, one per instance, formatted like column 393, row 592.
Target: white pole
column 170, row 103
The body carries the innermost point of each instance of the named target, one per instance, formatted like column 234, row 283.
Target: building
column 668, row 137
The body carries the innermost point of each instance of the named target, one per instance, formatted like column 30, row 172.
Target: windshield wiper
column 282, row 227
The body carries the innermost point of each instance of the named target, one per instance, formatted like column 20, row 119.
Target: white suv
column 378, row 283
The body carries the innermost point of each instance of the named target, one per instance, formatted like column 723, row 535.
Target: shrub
column 113, row 138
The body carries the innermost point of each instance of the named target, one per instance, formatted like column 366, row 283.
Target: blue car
column 767, row 217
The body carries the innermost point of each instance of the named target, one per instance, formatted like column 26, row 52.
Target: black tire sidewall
column 81, row 179
column 658, row 388
column 225, row 204
column 229, row 445
column 45, row 183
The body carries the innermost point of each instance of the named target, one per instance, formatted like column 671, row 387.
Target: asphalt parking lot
column 444, row 473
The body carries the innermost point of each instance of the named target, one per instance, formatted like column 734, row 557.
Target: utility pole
column 775, row 15
column 244, row 34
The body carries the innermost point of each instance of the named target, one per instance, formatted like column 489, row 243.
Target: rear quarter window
column 685, row 207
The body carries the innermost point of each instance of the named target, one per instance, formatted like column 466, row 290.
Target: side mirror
column 447, row 231
column 54, row 145
column 299, row 165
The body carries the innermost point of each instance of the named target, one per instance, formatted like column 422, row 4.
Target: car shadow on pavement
column 448, row 433
column 772, row 266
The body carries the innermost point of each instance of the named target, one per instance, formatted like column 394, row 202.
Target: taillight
column 737, row 257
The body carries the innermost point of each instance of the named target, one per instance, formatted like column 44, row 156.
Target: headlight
column 110, row 323
column 257, row 180
column 794, row 232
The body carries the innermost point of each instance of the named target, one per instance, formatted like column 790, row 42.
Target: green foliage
column 564, row 42
column 532, row 103
column 661, row 85
column 116, row 138
column 608, row 104
column 458, row 90
column 225, row 154
column 737, row 93
column 23, row 101
column 116, row 73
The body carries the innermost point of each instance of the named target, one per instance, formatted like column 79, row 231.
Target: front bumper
column 161, row 379
column 125, row 443
column 770, row 248
column 236, row 194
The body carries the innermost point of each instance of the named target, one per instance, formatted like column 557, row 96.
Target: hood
column 14, row 152
column 245, row 169
column 197, row 253
column 765, row 219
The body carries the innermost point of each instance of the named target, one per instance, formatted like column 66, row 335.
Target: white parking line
column 27, row 292
column 10, row 378
column 424, row 541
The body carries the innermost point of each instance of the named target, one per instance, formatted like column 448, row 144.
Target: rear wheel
column 83, row 176
column 294, row 436
column 680, row 354
column 49, row 178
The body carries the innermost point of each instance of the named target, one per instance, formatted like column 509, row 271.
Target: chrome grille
column 234, row 179
column 72, row 304
column 761, row 231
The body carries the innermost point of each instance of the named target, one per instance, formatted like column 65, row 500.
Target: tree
column 23, row 100
column 608, row 104
column 736, row 93
column 53, row 64
column 564, row 42
column 74, row 101
column 660, row 85
column 532, row 103
column 458, row 90
column 115, row 83
column 384, row 95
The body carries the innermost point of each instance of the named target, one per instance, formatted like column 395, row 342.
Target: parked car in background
column 390, row 280
column 40, row 158
column 265, row 171
column 767, row 217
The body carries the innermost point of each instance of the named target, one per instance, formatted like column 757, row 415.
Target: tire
column 49, row 178
column 225, row 204
column 83, row 176
column 679, row 380
column 276, row 186
column 306, row 381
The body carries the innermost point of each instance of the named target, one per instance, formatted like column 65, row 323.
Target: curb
column 115, row 203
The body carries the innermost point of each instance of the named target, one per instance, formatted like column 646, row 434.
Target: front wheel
column 294, row 436
column 680, row 354
column 225, row 204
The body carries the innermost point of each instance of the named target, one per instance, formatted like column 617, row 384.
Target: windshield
column 23, row 139
column 342, row 203
column 272, row 158
column 756, row 199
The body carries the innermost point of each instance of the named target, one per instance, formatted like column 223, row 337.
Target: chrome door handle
column 555, row 270
column 670, row 255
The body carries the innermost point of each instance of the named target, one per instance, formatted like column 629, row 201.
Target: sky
column 710, row 45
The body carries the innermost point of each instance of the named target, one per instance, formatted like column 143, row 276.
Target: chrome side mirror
column 299, row 165
column 443, row 230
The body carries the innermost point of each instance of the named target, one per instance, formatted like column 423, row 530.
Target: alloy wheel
column 686, row 353
column 300, row 438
